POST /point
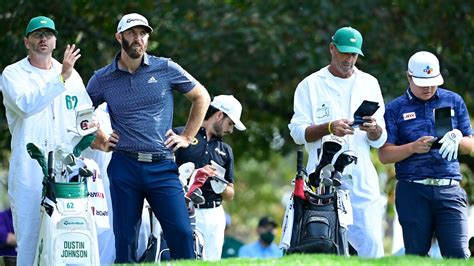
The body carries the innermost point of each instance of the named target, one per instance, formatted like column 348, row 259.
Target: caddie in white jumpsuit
column 40, row 95
column 324, row 103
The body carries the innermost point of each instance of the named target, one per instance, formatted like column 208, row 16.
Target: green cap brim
column 348, row 49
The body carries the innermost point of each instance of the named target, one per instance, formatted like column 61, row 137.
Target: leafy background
column 259, row 51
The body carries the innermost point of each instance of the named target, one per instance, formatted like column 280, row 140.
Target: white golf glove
column 450, row 141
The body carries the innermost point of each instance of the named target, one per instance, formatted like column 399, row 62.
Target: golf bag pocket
column 318, row 226
column 318, row 233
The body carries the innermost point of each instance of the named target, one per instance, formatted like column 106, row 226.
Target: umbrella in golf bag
column 49, row 195
column 299, row 197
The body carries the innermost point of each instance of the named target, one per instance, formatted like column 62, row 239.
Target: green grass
column 329, row 260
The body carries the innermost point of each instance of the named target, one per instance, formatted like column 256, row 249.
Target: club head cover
column 185, row 171
column 200, row 178
column 330, row 145
column 37, row 154
column 196, row 197
column 344, row 159
column 83, row 144
column 299, row 188
column 313, row 180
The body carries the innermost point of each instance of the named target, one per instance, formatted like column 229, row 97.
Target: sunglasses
column 41, row 34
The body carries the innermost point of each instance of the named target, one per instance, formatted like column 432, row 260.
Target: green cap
column 348, row 40
column 40, row 22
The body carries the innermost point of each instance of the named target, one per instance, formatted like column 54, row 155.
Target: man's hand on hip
column 175, row 141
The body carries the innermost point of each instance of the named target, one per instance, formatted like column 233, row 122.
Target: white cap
column 131, row 20
column 231, row 107
column 424, row 69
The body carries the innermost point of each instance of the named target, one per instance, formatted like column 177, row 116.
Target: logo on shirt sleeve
column 409, row 116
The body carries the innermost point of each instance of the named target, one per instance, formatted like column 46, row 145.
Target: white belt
column 437, row 182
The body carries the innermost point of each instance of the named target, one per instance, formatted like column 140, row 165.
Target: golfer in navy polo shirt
column 429, row 199
column 138, row 89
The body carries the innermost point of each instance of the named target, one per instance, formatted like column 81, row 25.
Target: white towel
column 287, row 226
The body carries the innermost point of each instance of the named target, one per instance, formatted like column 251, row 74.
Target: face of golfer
column 342, row 64
column 223, row 125
column 40, row 42
column 134, row 41
column 422, row 93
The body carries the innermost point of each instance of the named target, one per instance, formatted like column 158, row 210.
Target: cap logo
column 135, row 19
column 225, row 108
column 43, row 22
column 428, row 70
column 352, row 39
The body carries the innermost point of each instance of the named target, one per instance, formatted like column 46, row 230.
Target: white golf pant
column 211, row 224
column 366, row 234
column 24, row 189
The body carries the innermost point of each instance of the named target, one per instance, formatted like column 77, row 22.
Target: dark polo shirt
column 200, row 152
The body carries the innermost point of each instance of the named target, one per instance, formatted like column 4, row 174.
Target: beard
column 345, row 68
column 133, row 51
column 218, row 129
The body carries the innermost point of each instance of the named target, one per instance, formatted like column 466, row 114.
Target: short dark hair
column 266, row 220
column 212, row 110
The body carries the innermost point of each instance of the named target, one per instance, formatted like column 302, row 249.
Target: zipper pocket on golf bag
column 318, row 234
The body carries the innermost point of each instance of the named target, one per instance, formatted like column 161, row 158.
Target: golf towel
column 287, row 225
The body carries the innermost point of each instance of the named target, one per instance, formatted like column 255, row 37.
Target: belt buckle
column 145, row 157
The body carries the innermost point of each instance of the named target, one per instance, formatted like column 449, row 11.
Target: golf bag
column 315, row 219
column 68, row 232
column 318, row 229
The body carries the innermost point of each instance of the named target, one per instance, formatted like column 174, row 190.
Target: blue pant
column 424, row 210
column 130, row 182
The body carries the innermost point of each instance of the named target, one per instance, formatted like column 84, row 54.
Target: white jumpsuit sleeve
column 302, row 117
column 380, row 120
column 24, row 95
